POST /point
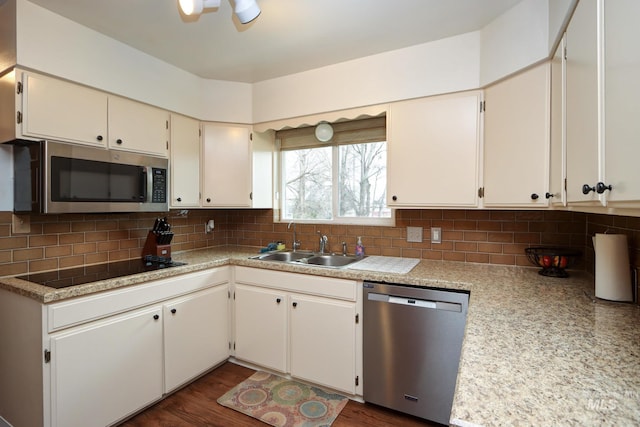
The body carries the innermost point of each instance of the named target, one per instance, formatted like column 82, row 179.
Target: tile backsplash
column 60, row 241
column 479, row 236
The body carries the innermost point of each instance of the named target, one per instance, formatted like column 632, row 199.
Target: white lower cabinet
column 196, row 335
column 113, row 353
column 323, row 341
column 261, row 326
column 302, row 325
column 106, row 370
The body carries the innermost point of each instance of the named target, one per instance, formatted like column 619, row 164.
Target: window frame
column 337, row 220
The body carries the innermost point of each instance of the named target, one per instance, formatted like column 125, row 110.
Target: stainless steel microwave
column 55, row 177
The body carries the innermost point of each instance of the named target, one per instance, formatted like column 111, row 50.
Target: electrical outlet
column 20, row 224
column 414, row 234
column 436, row 235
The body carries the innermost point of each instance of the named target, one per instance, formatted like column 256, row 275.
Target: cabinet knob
column 208, row 199
column 601, row 187
column 118, row 141
column 295, row 304
column 156, row 317
column 99, row 137
column 278, row 300
column 179, row 199
column 586, row 189
column 394, row 198
column 173, row 311
column 534, row 196
column 548, row 195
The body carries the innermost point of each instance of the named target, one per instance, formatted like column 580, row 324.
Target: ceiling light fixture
column 246, row 10
column 324, row 132
column 195, row 7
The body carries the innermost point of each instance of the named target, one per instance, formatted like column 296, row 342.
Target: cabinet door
column 323, row 337
column 138, row 127
column 226, row 166
column 185, row 162
column 582, row 104
column 516, row 140
column 262, row 146
column 557, row 166
column 622, row 100
column 195, row 335
column 433, row 151
column 54, row 109
column 261, row 327
column 106, row 370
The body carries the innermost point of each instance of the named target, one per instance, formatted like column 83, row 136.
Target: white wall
column 56, row 45
column 7, row 35
column 442, row 66
column 559, row 13
column 515, row 40
column 522, row 36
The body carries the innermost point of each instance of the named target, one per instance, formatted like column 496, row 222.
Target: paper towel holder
column 612, row 268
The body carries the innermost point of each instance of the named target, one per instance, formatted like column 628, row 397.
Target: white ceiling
column 289, row 36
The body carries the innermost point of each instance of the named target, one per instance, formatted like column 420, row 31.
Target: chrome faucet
column 323, row 243
column 296, row 243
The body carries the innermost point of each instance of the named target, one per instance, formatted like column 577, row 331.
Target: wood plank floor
column 195, row 405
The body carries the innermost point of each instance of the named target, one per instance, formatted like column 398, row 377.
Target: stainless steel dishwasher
column 412, row 342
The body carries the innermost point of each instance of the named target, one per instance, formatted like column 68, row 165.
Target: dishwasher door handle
column 412, row 302
column 415, row 302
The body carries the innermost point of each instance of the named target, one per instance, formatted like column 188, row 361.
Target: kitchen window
column 343, row 180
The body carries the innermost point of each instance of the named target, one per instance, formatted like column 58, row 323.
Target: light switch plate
column 436, row 235
column 414, row 234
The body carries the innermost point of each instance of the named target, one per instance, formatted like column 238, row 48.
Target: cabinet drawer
column 302, row 283
column 68, row 313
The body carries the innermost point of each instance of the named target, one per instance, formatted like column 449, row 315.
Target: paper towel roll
column 613, row 275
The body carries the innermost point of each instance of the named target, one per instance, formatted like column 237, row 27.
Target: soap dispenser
column 359, row 247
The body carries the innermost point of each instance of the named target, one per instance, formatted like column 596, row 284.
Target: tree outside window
column 334, row 182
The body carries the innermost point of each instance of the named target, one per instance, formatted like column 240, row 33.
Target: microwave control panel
column 159, row 185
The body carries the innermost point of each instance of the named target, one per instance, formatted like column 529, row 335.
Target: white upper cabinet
column 433, row 151
column 226, row 165
column 262, row 146
column 49, row 108
column 516, row 140
column 138, row 127
column 558, row 155
column 621, row 114
column 55, row 109
column 185, row 162
column 582, row 105
column 603, row 90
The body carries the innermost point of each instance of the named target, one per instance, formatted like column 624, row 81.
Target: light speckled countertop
column 537, row 351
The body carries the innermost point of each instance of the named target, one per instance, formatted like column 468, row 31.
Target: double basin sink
column 311, row 258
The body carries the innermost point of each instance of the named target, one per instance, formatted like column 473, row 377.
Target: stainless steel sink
column 331, row 260
column 284, row 256
column 311, row 258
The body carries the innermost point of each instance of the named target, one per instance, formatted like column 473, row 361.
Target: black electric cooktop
column 93, row 273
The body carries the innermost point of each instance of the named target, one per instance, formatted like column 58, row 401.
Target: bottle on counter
column 359, row 247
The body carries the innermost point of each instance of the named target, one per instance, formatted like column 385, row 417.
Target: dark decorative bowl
column 554, row 261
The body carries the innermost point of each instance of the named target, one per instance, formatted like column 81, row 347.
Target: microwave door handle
column 143, row 184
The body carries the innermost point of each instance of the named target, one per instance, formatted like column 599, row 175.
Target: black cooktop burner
column 93, row 273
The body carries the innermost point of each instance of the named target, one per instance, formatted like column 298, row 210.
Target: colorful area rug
column 281, row 402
